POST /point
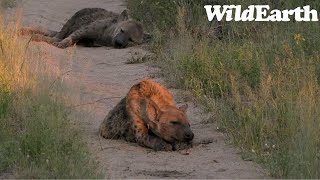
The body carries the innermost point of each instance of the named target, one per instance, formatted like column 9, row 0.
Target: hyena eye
column 175, row 122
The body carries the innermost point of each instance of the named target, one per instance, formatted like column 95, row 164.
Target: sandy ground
column 97, row 77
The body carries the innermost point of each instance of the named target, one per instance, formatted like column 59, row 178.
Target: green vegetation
column 7, row 3
column 262, row 80
column 37, row 139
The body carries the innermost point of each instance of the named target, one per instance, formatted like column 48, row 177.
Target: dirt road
column 97, row 77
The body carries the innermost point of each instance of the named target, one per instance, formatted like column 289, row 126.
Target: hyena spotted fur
column 93, row 27
column 149, row 116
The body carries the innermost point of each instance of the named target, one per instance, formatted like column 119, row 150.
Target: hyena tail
column 33, row 31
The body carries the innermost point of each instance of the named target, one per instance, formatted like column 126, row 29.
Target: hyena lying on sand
column 149, row 116
column 93, row 27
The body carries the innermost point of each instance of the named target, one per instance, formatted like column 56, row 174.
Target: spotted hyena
column 149, row 116
column 93, row 27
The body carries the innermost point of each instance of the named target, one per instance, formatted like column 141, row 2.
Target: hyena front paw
column 163, row 146
column 181, row 146
column 63, row 44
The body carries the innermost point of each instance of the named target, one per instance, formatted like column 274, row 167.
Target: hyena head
column 170, row 123
column 126, row 32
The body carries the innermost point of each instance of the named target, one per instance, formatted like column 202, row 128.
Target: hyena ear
column 156, row 108
column 183, row 108
column 143, row 110
column 147, row 37
column 124, row 16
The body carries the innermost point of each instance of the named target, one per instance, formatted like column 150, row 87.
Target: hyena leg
column 67, row 26
column 83, row 33
column 154, row 142
column 143, row 137
column 44, row 32
column 42, row 38
column 65, row 29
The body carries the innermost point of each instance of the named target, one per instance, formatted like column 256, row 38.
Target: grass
column 7, row 3
column 37, row 137
column 261, row 79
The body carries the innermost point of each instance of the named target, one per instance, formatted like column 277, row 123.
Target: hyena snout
column 120, row 41
column 188, row 135
column 184, row 134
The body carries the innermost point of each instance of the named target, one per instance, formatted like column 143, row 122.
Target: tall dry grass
column 261, row 80
column 37, row 139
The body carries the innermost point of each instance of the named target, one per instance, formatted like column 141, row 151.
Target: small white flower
column 47, row 161
column 218, row 128
column 252, row 150
column 273, row 146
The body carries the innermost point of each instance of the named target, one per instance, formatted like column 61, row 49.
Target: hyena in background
column 93, row 27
